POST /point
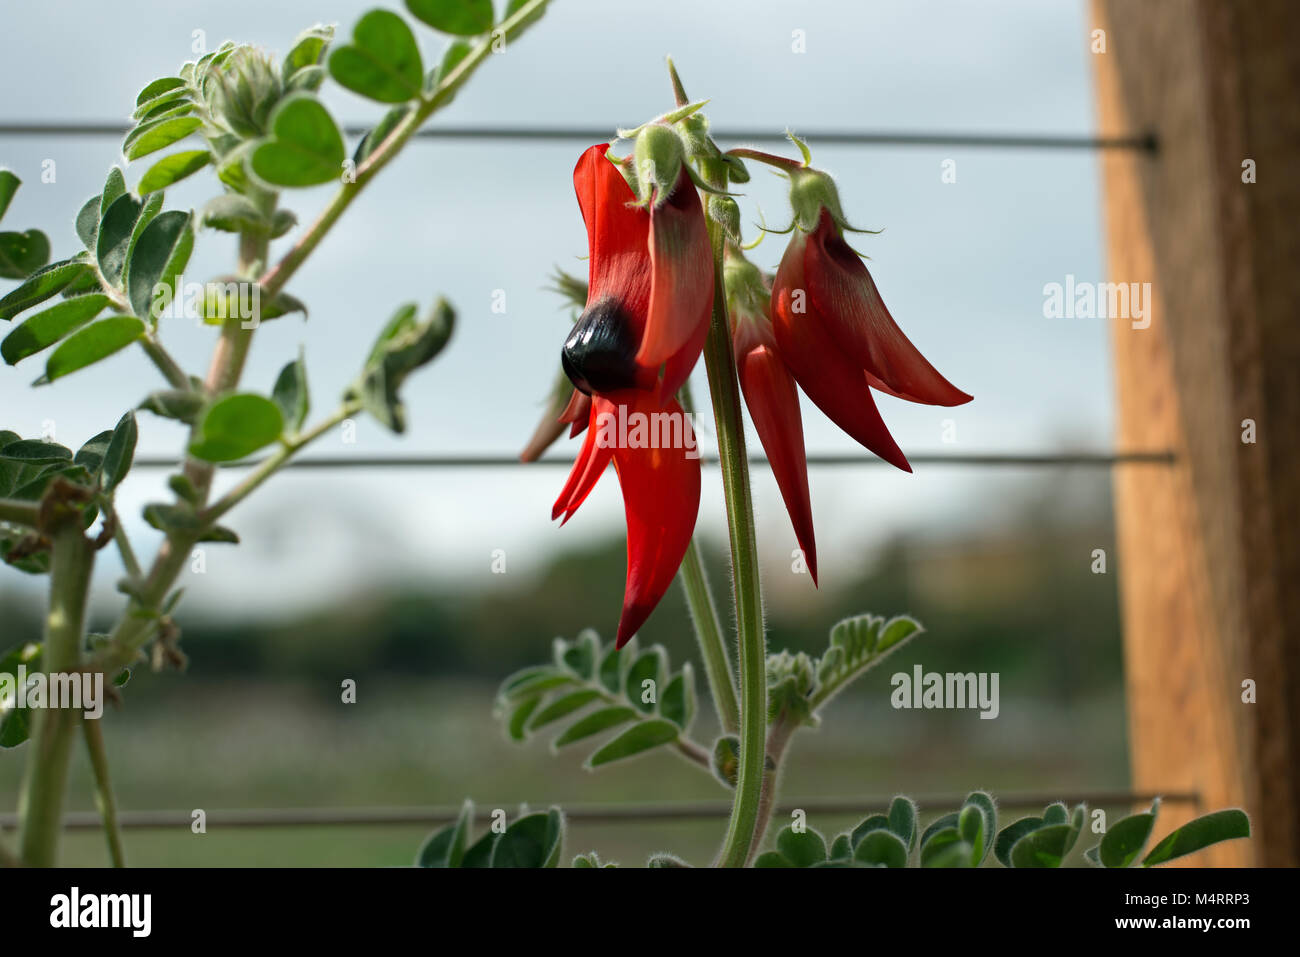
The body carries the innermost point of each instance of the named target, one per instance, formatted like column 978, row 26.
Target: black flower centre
column 599, row 356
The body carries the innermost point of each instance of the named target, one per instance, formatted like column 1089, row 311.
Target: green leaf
column 14, row 722
column 954, row 854
column 456, row 51
column 581, row 655
column 462, row 18
column 873, row 822
column 637, row 739
column 158, row 88
column 306, row 51
column 645, row 675
column 236, row 426
column 524, row 681
column 174, row 404
column 160, row 255
column 114, row 189
column 9, row 184
column 479, row 854
column 157, row 134
column 563, row 706
column 801, row 848
column 532, row 841
column 291, row 394
column 114, row 239
column 382, row 62
column 611, row 669
column 402, row 347
column 841, row 848
column 446, row 846
column 375, row 137
column 90, row 344
column 664, row 859
column 594, row 723
column 1044, row 847
column 35, row 452
column 988, row 812
column 771, row 859
column 1199, row 834
column 896, row 631
column 881, row 849
column 233, row 213
column 305, row 147
column 937, row 845
column 120, row 453
column 1056, row 813
column 44, row 284
column 902, row 820
column 1124, row 840
column 23, row 253
column 516, row 726
column 1010, row 835
column 725, row 761
column 45, row 328
column 88, row 222
column 677, row 703
column 173, row 169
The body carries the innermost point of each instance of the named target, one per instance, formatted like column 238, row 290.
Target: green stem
column 8, row 858
column 724, row 387
column 778, row 738
column 40, row 803
column 104, row 799
column 26, row 514
column 161, row 358
column 708, row 631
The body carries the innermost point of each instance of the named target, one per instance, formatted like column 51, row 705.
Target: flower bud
column 241, row 89
column 748, row 292
column 659, row 155
column 811, row 191
column 724, row 211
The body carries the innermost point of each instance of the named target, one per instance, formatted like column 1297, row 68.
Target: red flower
column 771, row 397
column 836, row 336
column 649, row 299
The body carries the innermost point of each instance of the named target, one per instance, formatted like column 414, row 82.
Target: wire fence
column 593, row 814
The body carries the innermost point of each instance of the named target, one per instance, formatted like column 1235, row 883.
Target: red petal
column 661, row 497
column 773, row 403
column 577, row 412
column 617, row 234
column 681, row 291
column 842, row 292
column 823, row 370
column 587, row 470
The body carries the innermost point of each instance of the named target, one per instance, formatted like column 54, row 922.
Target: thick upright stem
column 708, row 631
column 45, row 782
column 724, row 387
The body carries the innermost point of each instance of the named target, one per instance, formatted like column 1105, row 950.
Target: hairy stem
column 45, row 782
column 708, row 631
column 778, row 738
column 104, row 799
column 724, row 387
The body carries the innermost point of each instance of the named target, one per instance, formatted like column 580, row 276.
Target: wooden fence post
column 1209, row 550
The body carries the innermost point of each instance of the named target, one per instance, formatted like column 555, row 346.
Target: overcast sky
column 961, row 265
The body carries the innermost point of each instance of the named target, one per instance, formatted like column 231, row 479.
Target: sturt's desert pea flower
column 770, row 394
column 649, row 300
column 832, row 329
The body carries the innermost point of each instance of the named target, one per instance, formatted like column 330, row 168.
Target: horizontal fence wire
column 1141, row 142
column 577, row 814
column 472, row 461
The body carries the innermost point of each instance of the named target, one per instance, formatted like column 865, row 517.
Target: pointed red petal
column 617, row 234
column 577, row 412
column 773, row 403
column 842, row 292
column 587, row 470
column 661, row 497
column 826, row 374
column 681, row 291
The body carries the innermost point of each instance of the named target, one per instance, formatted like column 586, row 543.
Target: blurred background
column 386, row 576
